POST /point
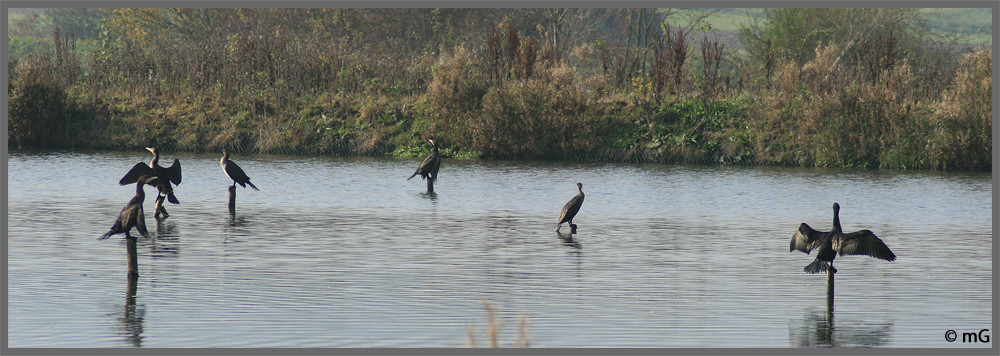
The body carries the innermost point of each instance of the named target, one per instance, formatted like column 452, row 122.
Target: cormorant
column 235, row 172
column 165, row 175
column 430, row 165
column 132, row 216
column 572, row 207
column 831, row 243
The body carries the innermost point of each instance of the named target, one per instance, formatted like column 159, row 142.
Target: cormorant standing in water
column 835, row 241
column 572, row 207
column 235, row 172
column 429, row 167
column 132, row 216
column 165, row 175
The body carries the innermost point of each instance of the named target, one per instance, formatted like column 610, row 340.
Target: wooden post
column 130, row 290
column 430, row 185
column 572, row 229
column 829, row 292
column 133, row 263
column 232, row 199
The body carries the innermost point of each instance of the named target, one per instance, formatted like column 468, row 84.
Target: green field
column 972, row 26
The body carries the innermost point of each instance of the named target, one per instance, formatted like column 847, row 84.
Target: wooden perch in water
column 829, row 293
column 133, row 262
column 232, row 199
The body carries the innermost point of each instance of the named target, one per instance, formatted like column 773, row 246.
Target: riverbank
column 321, row 85
column 549, row 117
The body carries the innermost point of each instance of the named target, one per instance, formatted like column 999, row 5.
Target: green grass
column 733, row 19
column 973, row 26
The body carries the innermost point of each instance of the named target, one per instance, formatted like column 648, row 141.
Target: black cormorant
column 165, row 175
column 132, row 216
column 235, row 172
column 831, row 243
column 572, row 207
column 429, row 167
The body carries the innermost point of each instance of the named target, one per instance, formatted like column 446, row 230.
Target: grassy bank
column 321, row 85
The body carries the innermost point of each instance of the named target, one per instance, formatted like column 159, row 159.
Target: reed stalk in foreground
column 493, row 329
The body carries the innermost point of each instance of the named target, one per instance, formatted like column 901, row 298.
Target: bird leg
column 159, row 207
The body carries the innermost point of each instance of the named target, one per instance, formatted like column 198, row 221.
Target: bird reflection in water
column 132, row 320
column 237, row 220
column 166, row 241
column 819, row 330
column 568, row 240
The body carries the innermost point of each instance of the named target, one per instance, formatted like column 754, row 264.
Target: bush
column 963, row 134
column 37, row 105
column 455, row 94
column 542, row 118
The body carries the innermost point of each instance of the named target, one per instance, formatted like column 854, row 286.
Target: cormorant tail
column 816, row 267
column 172, row 198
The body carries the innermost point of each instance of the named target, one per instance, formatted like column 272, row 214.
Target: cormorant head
column 431, row 140
column 225, row 154
column 579, row 186
column 836, row 208
column 153, row 150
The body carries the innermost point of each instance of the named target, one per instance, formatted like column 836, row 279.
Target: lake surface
column 345, row 252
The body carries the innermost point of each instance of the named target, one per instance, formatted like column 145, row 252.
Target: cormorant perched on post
column 831, row 243
column 132, row 216
column 165, row 175
column 430, row 165
column 571, row 208
column 235, row 172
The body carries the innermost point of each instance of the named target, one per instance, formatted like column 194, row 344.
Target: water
column 344, row 252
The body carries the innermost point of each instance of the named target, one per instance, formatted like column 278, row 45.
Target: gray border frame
column 995, row 5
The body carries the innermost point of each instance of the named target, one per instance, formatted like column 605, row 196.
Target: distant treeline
column 813, row 87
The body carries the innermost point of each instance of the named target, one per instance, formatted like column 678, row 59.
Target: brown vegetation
column 580, row 84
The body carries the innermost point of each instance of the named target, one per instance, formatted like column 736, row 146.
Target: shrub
column 37, row 105
column 455, row 94
column 963, row 134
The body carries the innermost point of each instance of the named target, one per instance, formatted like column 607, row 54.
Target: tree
column 795, row 33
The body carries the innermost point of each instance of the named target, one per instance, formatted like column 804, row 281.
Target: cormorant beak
column 151, row 149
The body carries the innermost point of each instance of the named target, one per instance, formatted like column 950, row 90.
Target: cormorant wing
column 805, row 239
column 427, row 164
column 435, row 165
column 236, row 173
column 174, row 172
column 140, row 222
column 570, row 209
column 864, row 242
column 138, row 170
